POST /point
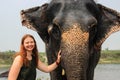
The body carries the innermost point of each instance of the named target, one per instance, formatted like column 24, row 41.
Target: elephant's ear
column 36, row 19
column 109, row 23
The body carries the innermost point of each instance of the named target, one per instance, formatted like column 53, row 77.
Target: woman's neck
column 29, row 55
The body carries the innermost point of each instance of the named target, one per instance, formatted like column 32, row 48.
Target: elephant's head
column 78, row 28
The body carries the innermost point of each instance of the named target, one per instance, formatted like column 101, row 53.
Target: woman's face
column 29, row 44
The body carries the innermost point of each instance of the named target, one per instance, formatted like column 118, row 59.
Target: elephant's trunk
column 74, row 46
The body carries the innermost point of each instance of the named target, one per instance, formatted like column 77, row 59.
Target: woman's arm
column 49, row 68
column 15, row 68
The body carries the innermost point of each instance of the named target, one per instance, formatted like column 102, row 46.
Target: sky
column 11, row 29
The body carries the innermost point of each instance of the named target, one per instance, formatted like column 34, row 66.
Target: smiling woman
column 27, row 60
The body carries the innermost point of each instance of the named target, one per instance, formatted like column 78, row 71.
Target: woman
column 25, row 63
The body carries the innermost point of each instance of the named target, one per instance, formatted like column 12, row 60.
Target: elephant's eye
column 54, row 31
column 92, row 23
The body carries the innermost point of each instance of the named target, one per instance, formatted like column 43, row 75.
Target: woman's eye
column 26, row 42
column 32, row 42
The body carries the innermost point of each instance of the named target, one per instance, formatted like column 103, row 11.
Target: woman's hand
column 41, row 66
column 58, row 57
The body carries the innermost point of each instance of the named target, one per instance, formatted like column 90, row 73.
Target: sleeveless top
column 28, row 72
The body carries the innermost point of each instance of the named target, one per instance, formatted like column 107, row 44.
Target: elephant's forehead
column 75, row 36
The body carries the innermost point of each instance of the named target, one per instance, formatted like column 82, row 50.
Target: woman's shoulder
column 18, row 58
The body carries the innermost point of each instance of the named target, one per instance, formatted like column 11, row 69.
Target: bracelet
column 57, row 63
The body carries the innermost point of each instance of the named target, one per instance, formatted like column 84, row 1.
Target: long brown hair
column 23, row 53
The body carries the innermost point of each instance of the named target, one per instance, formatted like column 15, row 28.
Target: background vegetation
column 6, row 58
column 110, row 56
column 107, row 57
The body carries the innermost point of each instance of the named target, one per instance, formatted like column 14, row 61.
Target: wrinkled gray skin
column 78, row 28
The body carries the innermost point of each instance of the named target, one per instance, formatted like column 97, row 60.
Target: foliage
column 42, row 57
column 110, row 56
column 6, row 58
column 107, row 56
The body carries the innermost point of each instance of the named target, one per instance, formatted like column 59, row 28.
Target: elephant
column 78, row 28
